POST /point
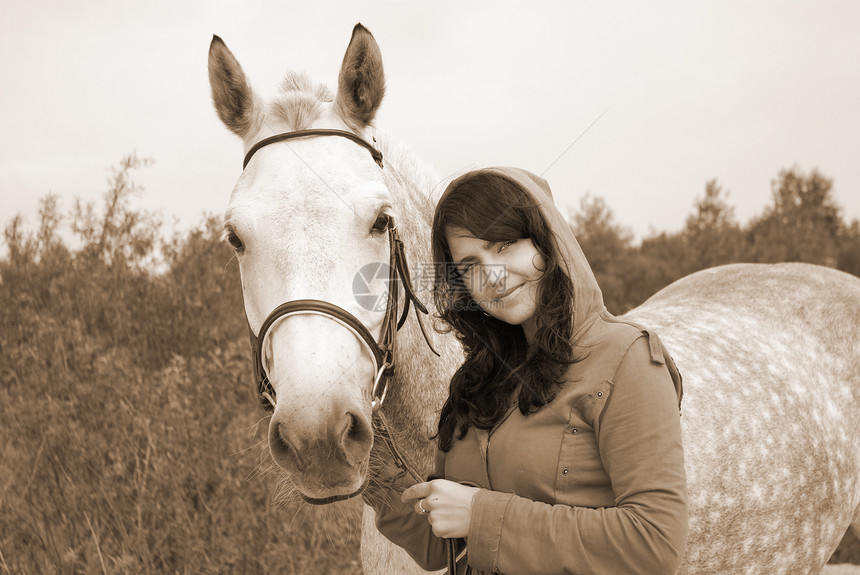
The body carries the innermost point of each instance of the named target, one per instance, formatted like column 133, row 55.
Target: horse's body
column 769, row 354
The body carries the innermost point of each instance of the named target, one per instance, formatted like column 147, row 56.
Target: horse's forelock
column 298, row 103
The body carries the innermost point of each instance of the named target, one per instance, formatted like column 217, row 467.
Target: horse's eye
column 233, row 239
column 381, row 222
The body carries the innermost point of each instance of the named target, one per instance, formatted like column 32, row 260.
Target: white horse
column 769, row 354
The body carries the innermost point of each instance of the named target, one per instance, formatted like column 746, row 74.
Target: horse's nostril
column 283, row 451
column 350, row 425
column 355, row 436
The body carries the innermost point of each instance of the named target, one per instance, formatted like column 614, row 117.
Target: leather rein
column 382, row 351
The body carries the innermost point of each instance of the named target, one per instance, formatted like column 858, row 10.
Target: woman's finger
column 421, row 507
column 417, row 491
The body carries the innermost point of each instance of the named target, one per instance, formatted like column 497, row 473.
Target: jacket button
column 575, row 430
column 599, row 394
column 564, row 471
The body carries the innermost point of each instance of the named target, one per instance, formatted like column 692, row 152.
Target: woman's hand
column 446, row 505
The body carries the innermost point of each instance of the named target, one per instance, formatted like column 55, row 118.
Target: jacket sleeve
column 640, row 447
column 399, row 523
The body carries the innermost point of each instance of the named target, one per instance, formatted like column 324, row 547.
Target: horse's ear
column 234, row 99
column 361, row 83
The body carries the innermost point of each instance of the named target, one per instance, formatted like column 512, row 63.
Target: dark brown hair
column 498, row 359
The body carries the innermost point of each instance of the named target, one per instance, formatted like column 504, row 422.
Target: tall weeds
column 130, row 440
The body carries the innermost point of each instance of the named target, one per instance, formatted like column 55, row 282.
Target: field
column 130, row 438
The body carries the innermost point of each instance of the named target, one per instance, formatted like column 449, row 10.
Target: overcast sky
column 688, row 91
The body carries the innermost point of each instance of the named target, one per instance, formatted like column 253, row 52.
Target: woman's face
column 502, row 277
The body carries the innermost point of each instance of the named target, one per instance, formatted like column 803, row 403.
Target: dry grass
column 130, row 440
column 129, row 436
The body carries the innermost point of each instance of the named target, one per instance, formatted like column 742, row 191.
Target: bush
column 131, row 438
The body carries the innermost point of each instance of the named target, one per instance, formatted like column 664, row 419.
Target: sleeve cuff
column 485, row 530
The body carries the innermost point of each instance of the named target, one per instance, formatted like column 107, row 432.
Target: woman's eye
column 381, row 223
column 464, row 269
column 504, row 245
column 234, row 240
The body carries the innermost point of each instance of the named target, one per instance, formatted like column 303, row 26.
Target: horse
column 769, row 353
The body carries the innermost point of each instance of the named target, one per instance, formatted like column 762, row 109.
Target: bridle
column 377, row 155
column 382, row 351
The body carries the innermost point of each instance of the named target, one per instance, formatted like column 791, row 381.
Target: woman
column 560, row 443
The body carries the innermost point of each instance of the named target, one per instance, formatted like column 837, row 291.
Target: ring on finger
column 421, row 507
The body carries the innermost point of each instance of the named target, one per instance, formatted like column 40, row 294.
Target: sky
column 637, row 103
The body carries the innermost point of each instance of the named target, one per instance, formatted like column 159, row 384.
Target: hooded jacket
column 593, row 482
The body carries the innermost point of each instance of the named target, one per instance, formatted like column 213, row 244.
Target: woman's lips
column 508, row 293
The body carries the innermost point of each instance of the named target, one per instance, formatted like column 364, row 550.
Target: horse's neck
column 421, row 378
column 415, row 188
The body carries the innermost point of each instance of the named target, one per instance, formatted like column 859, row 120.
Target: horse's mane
column 416, row 189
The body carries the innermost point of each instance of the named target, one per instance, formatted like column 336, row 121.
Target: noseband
column 383, row 350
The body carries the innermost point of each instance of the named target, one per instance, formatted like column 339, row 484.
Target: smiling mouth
column 508, row 293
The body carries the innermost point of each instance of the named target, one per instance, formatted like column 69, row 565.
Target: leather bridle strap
column 308, row 306
column 382, row 351
column 377, row 155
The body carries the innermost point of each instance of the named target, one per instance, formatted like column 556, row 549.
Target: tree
column 803, row 224
column 600, row 236
column 663, row 258
column 607, row 246
column 120, row 234
column 849, row 249
column 711, row 234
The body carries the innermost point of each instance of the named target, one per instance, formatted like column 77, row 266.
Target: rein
column 382, row 351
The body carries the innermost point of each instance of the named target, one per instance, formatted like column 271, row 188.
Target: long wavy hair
column 499, row 364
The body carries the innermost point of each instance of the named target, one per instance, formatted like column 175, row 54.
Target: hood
column 588, row 300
